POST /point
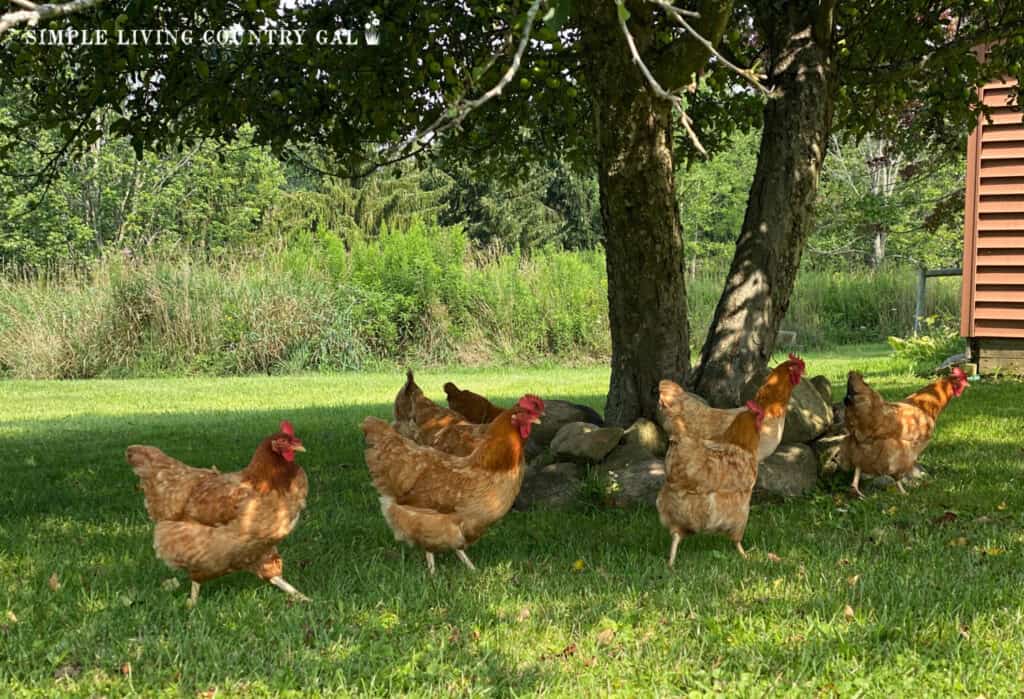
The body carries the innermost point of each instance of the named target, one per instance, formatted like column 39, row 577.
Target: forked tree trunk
column 643, row 243
column 779, row 215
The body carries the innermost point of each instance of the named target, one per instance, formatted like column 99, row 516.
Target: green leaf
column 203, row 69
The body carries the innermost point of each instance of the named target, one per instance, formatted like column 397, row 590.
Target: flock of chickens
column 446, row 474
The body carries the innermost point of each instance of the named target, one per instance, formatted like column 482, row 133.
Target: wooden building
column 992, row 311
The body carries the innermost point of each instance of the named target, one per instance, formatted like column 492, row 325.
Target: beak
column 298, row 447
column 535, row 420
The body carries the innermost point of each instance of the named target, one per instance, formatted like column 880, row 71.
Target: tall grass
column 420, row 295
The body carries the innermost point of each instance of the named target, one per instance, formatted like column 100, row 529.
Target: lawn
column 879, row 597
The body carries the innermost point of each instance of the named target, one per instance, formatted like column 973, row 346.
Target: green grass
column 934, row 614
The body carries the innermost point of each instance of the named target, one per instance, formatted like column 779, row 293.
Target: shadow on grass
column 380, row 625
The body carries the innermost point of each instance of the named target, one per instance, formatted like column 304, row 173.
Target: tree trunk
column 639, row 212
column 779, row 215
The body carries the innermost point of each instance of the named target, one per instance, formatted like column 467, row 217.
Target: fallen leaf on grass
column 170, row 584
column 568, row 651
column 853, row 580
column 945, row 518
column 11, row 617
column 605, row 637
column 891, row 511
column 843, row 562
column 848, row 613
column 523, row 614
column 1001, row 506
column 579, row 565
column 68, row 671
column 207, row 693
column 590, row 662
column 774, row 558
column 984, row 519
column 958, row 541
column 126, row 669
column 965, row 632
column 54, row 582
column 453, row 637
column 991, row 550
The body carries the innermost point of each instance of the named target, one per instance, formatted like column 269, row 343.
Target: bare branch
column 661, row 92
column 680, row 17
column 453, row 116
column 34, row 14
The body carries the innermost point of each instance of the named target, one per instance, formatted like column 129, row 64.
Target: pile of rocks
column 570, row 454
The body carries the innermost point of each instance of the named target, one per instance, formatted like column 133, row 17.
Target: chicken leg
column 194, row 596
column 855, row 487
column 282, row 584
column 465, row 559
column 430, row 563
column 899, row 484
column 676, row 538
column 739, row 547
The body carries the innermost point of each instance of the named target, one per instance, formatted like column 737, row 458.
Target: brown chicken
column 708, row 482
column 773, row 396
column 472, row 406
column 886, row 438
column 423, row 421
column 210, row 523
column 442, row 502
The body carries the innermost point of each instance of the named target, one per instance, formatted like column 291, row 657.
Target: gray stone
column 809, row 415
column 557, row 414
column 553, row 485
column 648, row 435
column 824, row 387
column 791, row 471
column 635, row 480
column 585, row 443
column 826, row 449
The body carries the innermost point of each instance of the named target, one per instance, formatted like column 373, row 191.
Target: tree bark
column 779, row 215
column 639, row 212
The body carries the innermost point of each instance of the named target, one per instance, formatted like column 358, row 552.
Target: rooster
column 710, row 423
column 210, row 523
column 708, row 483
column 443, row 502
column 886, row 438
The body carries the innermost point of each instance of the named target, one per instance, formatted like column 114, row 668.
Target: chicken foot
column 739, row 547
column 430, row 563
column 465, row 559
column 899, row 484
column 282, row 584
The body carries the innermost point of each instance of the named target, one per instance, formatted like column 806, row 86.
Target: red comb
column 287, row 428
column 794, row 358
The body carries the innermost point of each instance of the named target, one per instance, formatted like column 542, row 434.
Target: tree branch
column 678, row 15
column 34, row 14
column 685, row 56
column 661, row 92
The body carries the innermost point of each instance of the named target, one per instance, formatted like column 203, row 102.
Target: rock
column 625, row 455
column 826, row 449
column 554, row 485
column 648, row 435
column 585, row 443
column 791, row 471
column 879, row 483
column 636, row 478
column 824, row 387
column 809, row 415
column 557, row 414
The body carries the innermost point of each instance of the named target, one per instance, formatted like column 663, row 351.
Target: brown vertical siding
column 993, row 282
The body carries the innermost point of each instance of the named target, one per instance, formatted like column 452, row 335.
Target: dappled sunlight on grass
column 570, row 603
